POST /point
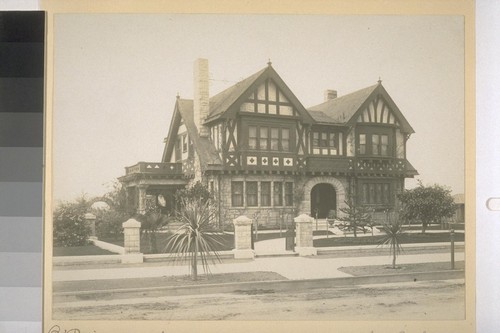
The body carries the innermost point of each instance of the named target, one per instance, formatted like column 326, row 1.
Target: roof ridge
column 374, row 86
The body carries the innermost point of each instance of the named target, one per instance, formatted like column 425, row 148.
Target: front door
column 323, row 200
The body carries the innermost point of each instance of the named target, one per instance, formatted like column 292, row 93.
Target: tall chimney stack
column 330, row 94
column 201, row 96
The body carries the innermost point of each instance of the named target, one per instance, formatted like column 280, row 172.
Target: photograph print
column 257, row 167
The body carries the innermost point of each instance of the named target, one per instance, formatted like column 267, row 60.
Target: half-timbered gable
column 266, row 156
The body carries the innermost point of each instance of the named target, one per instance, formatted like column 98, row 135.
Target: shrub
column 70, row 227
column 109, row 223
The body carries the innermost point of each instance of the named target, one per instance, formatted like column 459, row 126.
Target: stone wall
column 267, row 215
column 273, row 215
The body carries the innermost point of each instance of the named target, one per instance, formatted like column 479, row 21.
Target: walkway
column 294, row 268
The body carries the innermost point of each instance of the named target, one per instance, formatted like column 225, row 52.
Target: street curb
column 255, row 286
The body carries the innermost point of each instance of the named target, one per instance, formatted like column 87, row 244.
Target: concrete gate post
column 304, row 235
column 243, row 238
column 132, row 242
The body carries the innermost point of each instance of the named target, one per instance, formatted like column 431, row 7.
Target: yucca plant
column 394, row 234
column 197, row 238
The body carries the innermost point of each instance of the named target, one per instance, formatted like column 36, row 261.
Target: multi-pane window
column 315, row 140
column 264, row 136
column 275, row 139
column 288, row 194
column 247, row 194
column 278, row 194
column 376, row 193
column 252, row 194
column 265, row 194
column 362, row 144
column 252, row 137
column 237, row 194
column 285, row 139
column 377, row 144
column 269, row 138
column 324, row 143
column 384, row 145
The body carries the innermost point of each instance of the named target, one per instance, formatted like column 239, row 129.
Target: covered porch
column 153, row 183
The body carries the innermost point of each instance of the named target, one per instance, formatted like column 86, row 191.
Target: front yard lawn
column 161, row 241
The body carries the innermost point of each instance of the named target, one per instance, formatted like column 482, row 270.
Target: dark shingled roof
column 341, row 109
column 223, row 100
column 204, row 147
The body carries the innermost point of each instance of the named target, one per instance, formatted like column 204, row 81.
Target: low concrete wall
column 108, row 246
column 86, row 260
column 170, row 257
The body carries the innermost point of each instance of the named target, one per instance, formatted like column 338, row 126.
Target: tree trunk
column 393, row 256
column 424, row 226
column 195, row 262
column 354, row 229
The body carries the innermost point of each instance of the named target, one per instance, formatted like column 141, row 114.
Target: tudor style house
column 266, row 156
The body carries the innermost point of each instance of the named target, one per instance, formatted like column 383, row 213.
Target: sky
column 116, row 77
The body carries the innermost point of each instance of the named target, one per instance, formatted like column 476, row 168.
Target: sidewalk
column 293, row 268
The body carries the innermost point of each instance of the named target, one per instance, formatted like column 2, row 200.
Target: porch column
column 243, row 238
column 132, row 242
column 141, row 203
column 304, row 235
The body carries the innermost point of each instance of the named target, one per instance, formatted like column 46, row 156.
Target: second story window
column 373, row 143
column 252, row 137
column 324, row 143
column 269, row 138
column 275, row 139
column 264, row 138
column 362, row 144
column 285, row 139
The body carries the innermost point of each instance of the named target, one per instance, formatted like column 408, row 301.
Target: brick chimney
column 330, row 94
column 201, row 96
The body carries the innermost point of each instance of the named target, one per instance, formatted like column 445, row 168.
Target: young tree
column 355, row 218
column 109, row 221
column 197, row 238
column 393, row 229
column 426, row 204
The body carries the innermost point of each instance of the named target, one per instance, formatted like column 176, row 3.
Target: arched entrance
column 323, row 200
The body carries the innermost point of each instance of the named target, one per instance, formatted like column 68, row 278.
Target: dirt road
column 425, row 300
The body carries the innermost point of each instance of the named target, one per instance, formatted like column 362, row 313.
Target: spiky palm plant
column 394, row 234
column 197, row 238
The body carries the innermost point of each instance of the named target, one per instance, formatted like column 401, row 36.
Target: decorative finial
column 379, row 80
column 269, row 63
